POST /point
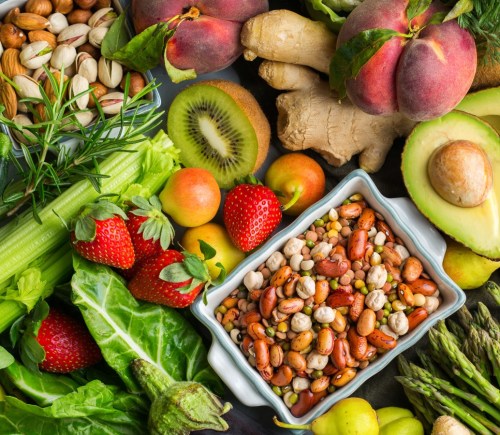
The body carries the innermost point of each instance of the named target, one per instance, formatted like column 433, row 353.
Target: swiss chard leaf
column 116, row 37
column 126, row 329
column 351, row 56
column 416, row 7
column 143, row 51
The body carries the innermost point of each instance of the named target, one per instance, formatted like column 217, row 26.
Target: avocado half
column 485, row 104
column 477, row 227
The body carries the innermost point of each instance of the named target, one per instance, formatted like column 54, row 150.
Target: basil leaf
column 6, row 359
column 116, row 37
column 352, row 55
column 126, row 329
column 416, row 7
column 143, row 51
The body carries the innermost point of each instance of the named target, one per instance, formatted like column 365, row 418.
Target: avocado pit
column 460, row 172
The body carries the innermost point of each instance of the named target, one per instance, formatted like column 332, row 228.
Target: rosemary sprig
column 44, row 175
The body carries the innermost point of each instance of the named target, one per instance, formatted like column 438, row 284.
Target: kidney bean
column 258, row 332
column 261, row 350
column 281, row 275
column 330, row 369
column 302, row 340
column 358, row 345
column 338, row 356
column 320, row 384
column 268, row 302
column 343, row 377
column 296, row 360
column 291, row 284
column 423, row 286
column 350, row 211
column 412, row 269
column 322, row 291
column 356, row 244
column 325, row 341
column 391, row 255
column 331, row 269
column 276, row 355
column 340, row 299
column 366, row 322
column 367, row 219
column 291, row 305
column 384, row 228
column 380, row 340
column 357, row 306
column 417, row 316
column 304, row 404
column 406, row 295
column 283, row 376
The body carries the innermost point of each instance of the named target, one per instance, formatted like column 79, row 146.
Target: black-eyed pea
column 343, row 377
column 296, row 360
column 276, row 355
column 302, row 340
column 235, row 335
column 366, row 322
column 320, row 384
column 406, row 295
column 281, row 275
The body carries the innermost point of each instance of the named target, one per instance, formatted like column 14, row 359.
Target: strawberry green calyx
column 157, row 226
column 85, row 226
column 195, row 269
column 178, row 407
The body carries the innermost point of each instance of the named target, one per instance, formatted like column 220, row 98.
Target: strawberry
column 251, row 213
column 173, row 278
column 150, row 230
column 100, row 235
column 67, row 343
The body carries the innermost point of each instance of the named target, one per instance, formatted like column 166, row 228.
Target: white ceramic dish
column 5, row 7
column 420, row 238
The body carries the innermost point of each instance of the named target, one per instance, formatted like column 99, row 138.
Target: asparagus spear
column 445, row 386
column 453, row 407
column 430, row 365
column 465, row 318
column 486, row 321
column 464, row 368
column 494, row 290
column 473, row 350
column 456, row 330
column 492, row 349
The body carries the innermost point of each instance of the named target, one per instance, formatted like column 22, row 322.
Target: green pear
column 391, row 413
column 403, row 426
column 467, row 269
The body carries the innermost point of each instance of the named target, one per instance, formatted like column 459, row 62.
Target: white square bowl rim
column 390, row 208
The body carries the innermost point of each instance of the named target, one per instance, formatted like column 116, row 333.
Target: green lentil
column 331, row 389
column 294, row 398
column 394, row 284
column 270, row 331
column 386, row 313
column 377, row 324
column 364, row 290
column 317, row 327
column 305, row 272
column 286, row 388
column 334, row 284
column 388, row 306
column 379, row 249
column 309, row 243
column 285, row 346
column 319, row 223
column 409, row 310
column 229, row 326
column 370, row 287
column 316, row 374
column 326, row 218
column 384, row 321
column 221, row 309
column 390, row 278
column 346, row 201
column 325, row 325
column 307, row 310
column 392, row 297
column 277, row 390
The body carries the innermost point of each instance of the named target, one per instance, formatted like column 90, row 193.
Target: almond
column 43, row 35
column 8, row 98
column 29, row 21
column 11, row 64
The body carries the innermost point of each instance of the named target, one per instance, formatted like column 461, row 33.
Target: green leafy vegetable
column 126, row 329
column 351, row 56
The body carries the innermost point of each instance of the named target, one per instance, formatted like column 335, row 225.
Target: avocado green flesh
column 485, row 104
column 478, row 227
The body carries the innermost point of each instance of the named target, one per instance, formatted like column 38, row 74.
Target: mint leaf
column 116, row 37
column 174, row 272
column 352, row 55
column 416, row 7
column 195, row 267
column 207, row 250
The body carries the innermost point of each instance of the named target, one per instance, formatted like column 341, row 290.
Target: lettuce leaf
column 126, row 329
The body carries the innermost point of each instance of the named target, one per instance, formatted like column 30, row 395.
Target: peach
column 207, row 41
column 423, row 76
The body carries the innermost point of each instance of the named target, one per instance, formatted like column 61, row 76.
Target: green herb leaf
column 207, row 250
column 30, row 288
column 116, row 37
column 6, row 359
column 195, row 282
column 351, row 56
column 416, row 7
column 195, row 266
column 222, row 275
column 436, row 18
column 144, row 50
column 324, row 10
column 85, row 229
column 175, row 272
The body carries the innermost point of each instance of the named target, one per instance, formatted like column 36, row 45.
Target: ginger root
column 285, row 36
column 311, row 116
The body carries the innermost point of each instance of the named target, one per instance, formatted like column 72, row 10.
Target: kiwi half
column 218, row 125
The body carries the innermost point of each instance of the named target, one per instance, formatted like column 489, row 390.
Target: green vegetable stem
column 178, row 407
column 5, row 148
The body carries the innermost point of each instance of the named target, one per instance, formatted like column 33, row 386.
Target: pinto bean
column 391, row 255
column 261, row 350
column 276, row 355
column 258, row 332
column 331, row 269
column 291, row 284
column 406, row 295
column 366, row 322
column 423, row 286
column 267, row 373
column 412, row 269
column 367, row 219
column 357, row 306
column 320, row 384
column 416, row 317
column 291, row 305
column 356, row 244
column 325, row 341
column 380, row 340
column 358, row 344
column 301, row 341
column 268, row 302
column 296, row 360
column 339, row 323
column 384, row 228
column 350, row 211
column 343, row 377
column 281, row 275
column 322, row 291
column 249, row 317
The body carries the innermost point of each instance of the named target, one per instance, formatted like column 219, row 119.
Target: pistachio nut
column 64, row 55
column 27, row 87
column 23, row 135
column 110, row 73
column 57, row 23
column 96, row 35
column 112, row 103
column 22, row 106
column 40, row 74
column 86, row 66
column 36, row 54
column 74, row 35
column 78, row 120
column 78, row 85
column 8, row 99
column 103, row 18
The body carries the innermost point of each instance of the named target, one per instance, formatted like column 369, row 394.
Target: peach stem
column 293, row 200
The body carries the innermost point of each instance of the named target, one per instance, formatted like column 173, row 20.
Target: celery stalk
column 149, row 163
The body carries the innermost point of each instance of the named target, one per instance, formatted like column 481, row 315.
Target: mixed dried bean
column 328, row 304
